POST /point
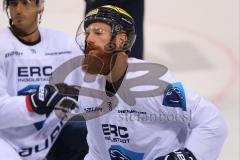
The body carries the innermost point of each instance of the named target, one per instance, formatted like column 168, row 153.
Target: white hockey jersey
column 22, row 68
column 151, row 115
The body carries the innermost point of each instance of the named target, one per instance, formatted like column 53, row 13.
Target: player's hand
column 178, row 155
column 49, row 97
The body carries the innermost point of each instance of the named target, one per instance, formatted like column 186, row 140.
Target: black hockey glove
column 178, row 155
column 48, row 97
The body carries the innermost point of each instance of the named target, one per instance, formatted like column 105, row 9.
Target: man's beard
column 96, row 60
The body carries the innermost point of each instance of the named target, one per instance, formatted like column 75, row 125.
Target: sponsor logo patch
column 117, row 152
column 174, row 96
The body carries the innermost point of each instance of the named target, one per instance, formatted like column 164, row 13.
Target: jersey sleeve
column 13, row 109
column 207, row 128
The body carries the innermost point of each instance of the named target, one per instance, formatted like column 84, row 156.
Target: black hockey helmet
column 117, row 18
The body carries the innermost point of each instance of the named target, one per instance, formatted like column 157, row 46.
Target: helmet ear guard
column 117, row 18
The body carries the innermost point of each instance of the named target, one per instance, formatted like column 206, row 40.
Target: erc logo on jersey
column 115, row 133
column 34, row 74
column 174, row 96
column 32, row 71
column 117, row 152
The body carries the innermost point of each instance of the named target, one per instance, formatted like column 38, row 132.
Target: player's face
column 24, row 14
column 97, row 58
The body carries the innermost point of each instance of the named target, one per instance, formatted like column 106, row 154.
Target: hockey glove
column 48, row 97
column 178, row 155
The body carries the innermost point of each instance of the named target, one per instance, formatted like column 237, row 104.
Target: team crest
column 174, row 96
